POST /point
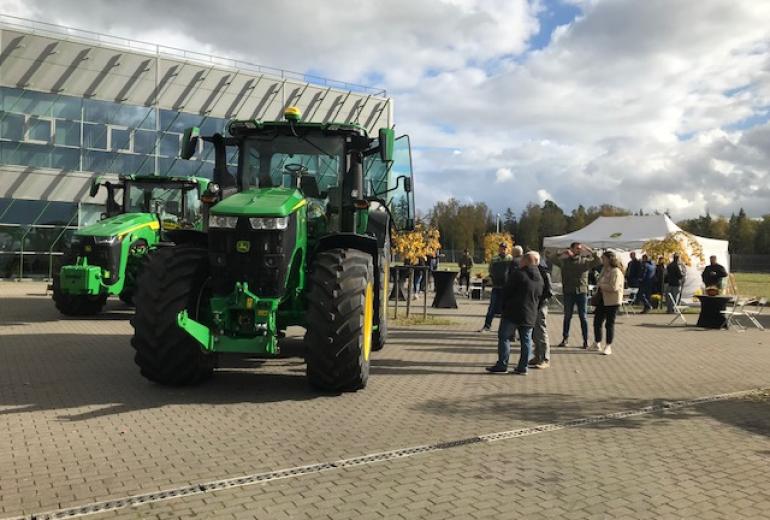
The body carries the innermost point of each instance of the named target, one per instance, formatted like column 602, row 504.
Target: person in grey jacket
column 542, row 357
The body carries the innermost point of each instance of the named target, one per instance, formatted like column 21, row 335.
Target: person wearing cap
column 498, row 272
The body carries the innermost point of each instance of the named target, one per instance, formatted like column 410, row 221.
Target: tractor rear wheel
column 75, row 304
column 340, row 320
column 172, row 280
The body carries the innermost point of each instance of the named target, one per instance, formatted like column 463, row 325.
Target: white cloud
column 638, row 104
column 543, row 195
column 503, row 175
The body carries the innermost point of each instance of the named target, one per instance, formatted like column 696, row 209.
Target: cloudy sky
column 653, row 104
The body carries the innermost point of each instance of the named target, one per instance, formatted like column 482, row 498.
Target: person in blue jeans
column 498, row 272
column 575, row 264
column 521, row 298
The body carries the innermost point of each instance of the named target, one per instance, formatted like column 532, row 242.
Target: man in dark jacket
column 647, row 281
column 521, row 299
column 634, row 272
column 714, row 274
column 675, row 273
column 466, row 266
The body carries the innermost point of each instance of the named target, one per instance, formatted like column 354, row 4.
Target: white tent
column 628, row 234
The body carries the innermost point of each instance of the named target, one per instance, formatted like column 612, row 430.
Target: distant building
column 75, row 104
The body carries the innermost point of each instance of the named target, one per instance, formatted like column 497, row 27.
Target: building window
column 12, row 126
column 120, row 139
column 67, row 133
column 95, row 136
column 38, row 130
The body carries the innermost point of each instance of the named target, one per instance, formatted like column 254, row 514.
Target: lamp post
column 498, row 222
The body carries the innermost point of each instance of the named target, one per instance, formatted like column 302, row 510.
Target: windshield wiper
column 308, row 141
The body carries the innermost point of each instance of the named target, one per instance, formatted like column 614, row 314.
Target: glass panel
column 59, row 213
column 12, row 126
column 401, row 202
column 171, row 121
column 95, row 136
column 65, row 158
column 169, row 145
column 67, row 133
column 39, row 129
column 67, row 107
column 144, row 141
column 89, row 214
column 22, row 211
column 30, row 102
column 25, row 154
column 120, row 139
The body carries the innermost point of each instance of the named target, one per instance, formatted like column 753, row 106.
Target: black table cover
column 711, row 308
column 445, row 293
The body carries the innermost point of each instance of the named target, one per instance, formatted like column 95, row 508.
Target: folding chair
column 732, row 314
column 752, row 315
column 678, row 308
column 629, row 299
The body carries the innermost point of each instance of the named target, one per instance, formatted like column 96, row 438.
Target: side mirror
column 387, row 138
column 95, row 184
column 190, row 142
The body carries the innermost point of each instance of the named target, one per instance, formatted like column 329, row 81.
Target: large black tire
column 75, row 304
column 340, row 290
column 380, row 336
column 172, row 280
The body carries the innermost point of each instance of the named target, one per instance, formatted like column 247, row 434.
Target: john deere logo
column 242, row 246
column 616, row 235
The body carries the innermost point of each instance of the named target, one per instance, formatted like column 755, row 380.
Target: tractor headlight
column 219, row 221
column 269, row 223
column 105, row 240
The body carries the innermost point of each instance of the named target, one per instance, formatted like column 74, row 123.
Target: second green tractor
column 299, row 235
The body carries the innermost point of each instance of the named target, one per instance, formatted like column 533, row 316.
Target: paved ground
column 80, row 425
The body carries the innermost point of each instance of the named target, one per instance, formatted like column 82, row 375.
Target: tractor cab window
column 387, row 182
column 281, row 161
column 154, row 198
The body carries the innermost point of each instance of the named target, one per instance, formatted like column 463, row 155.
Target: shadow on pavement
column 63, row 371
column 22, row 311
column 750, row 414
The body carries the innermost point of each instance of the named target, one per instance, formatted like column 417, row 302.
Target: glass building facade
column 73, row 134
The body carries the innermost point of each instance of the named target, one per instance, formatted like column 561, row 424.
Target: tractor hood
column 264, row 202
column 119, row 225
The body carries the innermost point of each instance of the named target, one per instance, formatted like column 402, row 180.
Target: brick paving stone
column 80, row 423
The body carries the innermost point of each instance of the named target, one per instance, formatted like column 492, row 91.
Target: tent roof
column 619, row 232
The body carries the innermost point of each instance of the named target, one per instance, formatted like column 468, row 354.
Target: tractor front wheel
column 172, row 280
column 340, row 320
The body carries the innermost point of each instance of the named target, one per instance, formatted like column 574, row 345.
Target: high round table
column 445, row 289
column 711, row 308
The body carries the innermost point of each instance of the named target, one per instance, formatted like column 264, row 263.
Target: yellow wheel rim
column 368, row 320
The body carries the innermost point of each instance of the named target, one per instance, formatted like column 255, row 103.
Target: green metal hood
column 118, row 225
column 265, row 202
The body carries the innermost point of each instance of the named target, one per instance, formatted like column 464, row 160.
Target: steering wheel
column 295, row 169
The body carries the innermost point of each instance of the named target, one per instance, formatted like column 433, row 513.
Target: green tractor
column 299, row 236
column 106, row 257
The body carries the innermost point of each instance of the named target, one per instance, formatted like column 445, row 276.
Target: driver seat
column 309, row 187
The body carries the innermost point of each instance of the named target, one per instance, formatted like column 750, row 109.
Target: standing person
column 466, row 266
column 660, row 276
column 575, row 263
column 418, row 277
column 634, row 274
column 647, row 281
column 611, row 290
column 714, row 274
column 498, row 271
column 521, row 297
column 542, row 357
column 675, row 273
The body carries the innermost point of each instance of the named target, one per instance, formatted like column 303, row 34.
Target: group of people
column 521, row 289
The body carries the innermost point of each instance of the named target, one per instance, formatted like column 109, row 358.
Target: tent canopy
column 630, row 233
column 618, row 232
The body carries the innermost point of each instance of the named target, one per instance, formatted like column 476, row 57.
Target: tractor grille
column 105, row 256
column 264, row 266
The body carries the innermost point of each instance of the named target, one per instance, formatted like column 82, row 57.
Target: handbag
column 596, row 298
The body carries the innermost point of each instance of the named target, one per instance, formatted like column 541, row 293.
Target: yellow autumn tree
column 492, row 242
column 417, row 244
column 681, row 242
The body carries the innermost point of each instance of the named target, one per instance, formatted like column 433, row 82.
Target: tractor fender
column 363, row 243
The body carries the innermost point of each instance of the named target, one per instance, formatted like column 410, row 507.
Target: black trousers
column 605, row 315
column 467, row 277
